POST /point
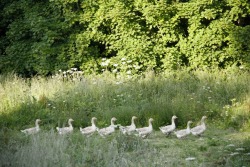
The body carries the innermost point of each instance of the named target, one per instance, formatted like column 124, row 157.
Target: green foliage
column 41, row 37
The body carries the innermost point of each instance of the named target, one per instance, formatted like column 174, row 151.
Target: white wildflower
column 235, row 153
column 230, row 145
column 190, row 158
column 239, row 149
column 68, row 71
column 129, row 72
column 104, row 64
column 129, row 76
column 137, row 67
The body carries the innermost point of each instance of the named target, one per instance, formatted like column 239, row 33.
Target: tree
column 40, row 37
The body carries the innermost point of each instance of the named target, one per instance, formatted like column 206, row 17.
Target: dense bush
column 39, row 37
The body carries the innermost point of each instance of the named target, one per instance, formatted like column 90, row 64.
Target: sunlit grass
column 222, row 96
column 159, row 96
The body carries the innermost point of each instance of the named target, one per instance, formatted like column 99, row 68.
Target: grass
column 223, row 96
column 215, row 148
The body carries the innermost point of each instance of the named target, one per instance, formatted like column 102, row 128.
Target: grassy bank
column 215, row 148
column 223, row 96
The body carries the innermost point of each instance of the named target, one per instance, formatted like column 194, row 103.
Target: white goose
column 88, row 131
column 184, row 132
column 129, row 129
column 146, row 131
column 32, row 130
column 108, row 130
column 198, row 130
column 66, row 130
column 169, row 128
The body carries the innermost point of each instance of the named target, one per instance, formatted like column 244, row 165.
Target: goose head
column 174, row 117
column 93, row 119
column 204, row 117
column 113, row 120
column 69, row 121
column 150, row 120
column 37, row 121
column 188, row 123
column 134, row 117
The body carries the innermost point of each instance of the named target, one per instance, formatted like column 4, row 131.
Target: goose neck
column 188, row 126
column 70, row 124
column 112, row 122
column 37, row 124
column 173, row 123
column 93, row 123
column 150, row 124
column 203, row 122
column 133, row 122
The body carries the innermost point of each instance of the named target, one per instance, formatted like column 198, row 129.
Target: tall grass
column 188, row 95
column 48, row 148
column 223, row 96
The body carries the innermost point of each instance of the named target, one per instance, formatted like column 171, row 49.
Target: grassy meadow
column 223, row 96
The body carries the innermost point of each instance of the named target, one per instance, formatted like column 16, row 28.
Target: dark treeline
column 43, row 36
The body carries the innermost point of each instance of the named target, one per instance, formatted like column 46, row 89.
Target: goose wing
column 127, row 129
column 64, row 130
column 181, row 133
column 87, row 130
column 106, row 131
column 30, row 130
column 197, row 130
column 167, row 129
column 143, row 131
